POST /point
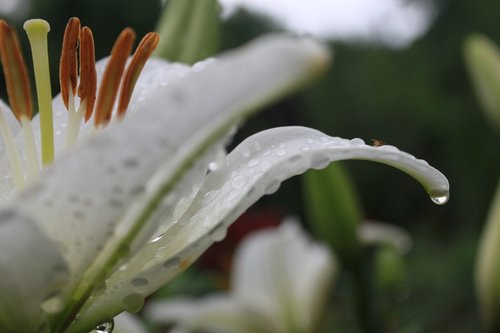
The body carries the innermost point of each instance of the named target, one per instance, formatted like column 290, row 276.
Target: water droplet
column 239, row 182
column 272, row 187
column 218, row 234
column 253, row 162
column 53, row 303
column 106, row 327
column 133, row 302
column 172, row 263
column 245, row 152
column 439, row 197
column 281, row 153
column 212, row 166
column 140, row 284
column 210, row 196
column 320, row 162
column 357, row 142
column 157, row 238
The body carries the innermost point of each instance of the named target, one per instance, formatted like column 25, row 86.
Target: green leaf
column 488, row 267
column 333, row 211
column 189, row 30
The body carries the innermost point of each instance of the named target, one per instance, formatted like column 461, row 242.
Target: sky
column 395, row 23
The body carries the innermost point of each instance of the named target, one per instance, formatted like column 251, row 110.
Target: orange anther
column 16, row 74
column 112, row 75
column 141, row 55
column 68, row 67
column 88, row 77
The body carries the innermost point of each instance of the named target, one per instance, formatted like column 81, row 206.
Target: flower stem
column 360, row 279
column 37, row 30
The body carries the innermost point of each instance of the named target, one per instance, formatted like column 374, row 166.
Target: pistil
column 37, row 30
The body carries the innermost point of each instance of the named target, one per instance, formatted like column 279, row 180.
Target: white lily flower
column 129, row 206
column 280, row 283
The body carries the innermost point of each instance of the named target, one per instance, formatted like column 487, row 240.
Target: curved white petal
column 215, row 313
column 96, row 200
column 283, row 273
column 28, row 286
column 256, row 167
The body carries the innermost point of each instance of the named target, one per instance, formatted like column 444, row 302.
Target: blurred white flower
column 280, row 282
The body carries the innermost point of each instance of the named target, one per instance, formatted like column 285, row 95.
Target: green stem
column 363, row 298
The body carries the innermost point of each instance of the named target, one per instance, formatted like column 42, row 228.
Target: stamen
column 37, row 30
column 141, row 55
column 16, row 74
column 87, row 87
column 88, row 77
column 18, row 89
column 112, row 76
column 68, row 66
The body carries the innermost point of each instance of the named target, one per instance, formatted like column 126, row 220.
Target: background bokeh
column 418, row 98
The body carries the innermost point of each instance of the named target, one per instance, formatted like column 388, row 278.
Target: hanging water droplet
column 439, row 197
column 218, row 234
column 53, row 303
column 106, row 327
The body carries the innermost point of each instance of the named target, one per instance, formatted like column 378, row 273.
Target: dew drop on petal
column 239, row 181
column 154, row 240
column 172, row 263
column 281, row 152
column 53, row 303
column 213, row 166
column 139, row 284
column 357, row 142
column 106, row 327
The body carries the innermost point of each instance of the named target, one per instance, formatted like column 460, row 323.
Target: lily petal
column 27, row 290
column 215, row 313
column 256, row 167
column 285, row 274
column 6, row 183
column 75, row 203
column 127, row 323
